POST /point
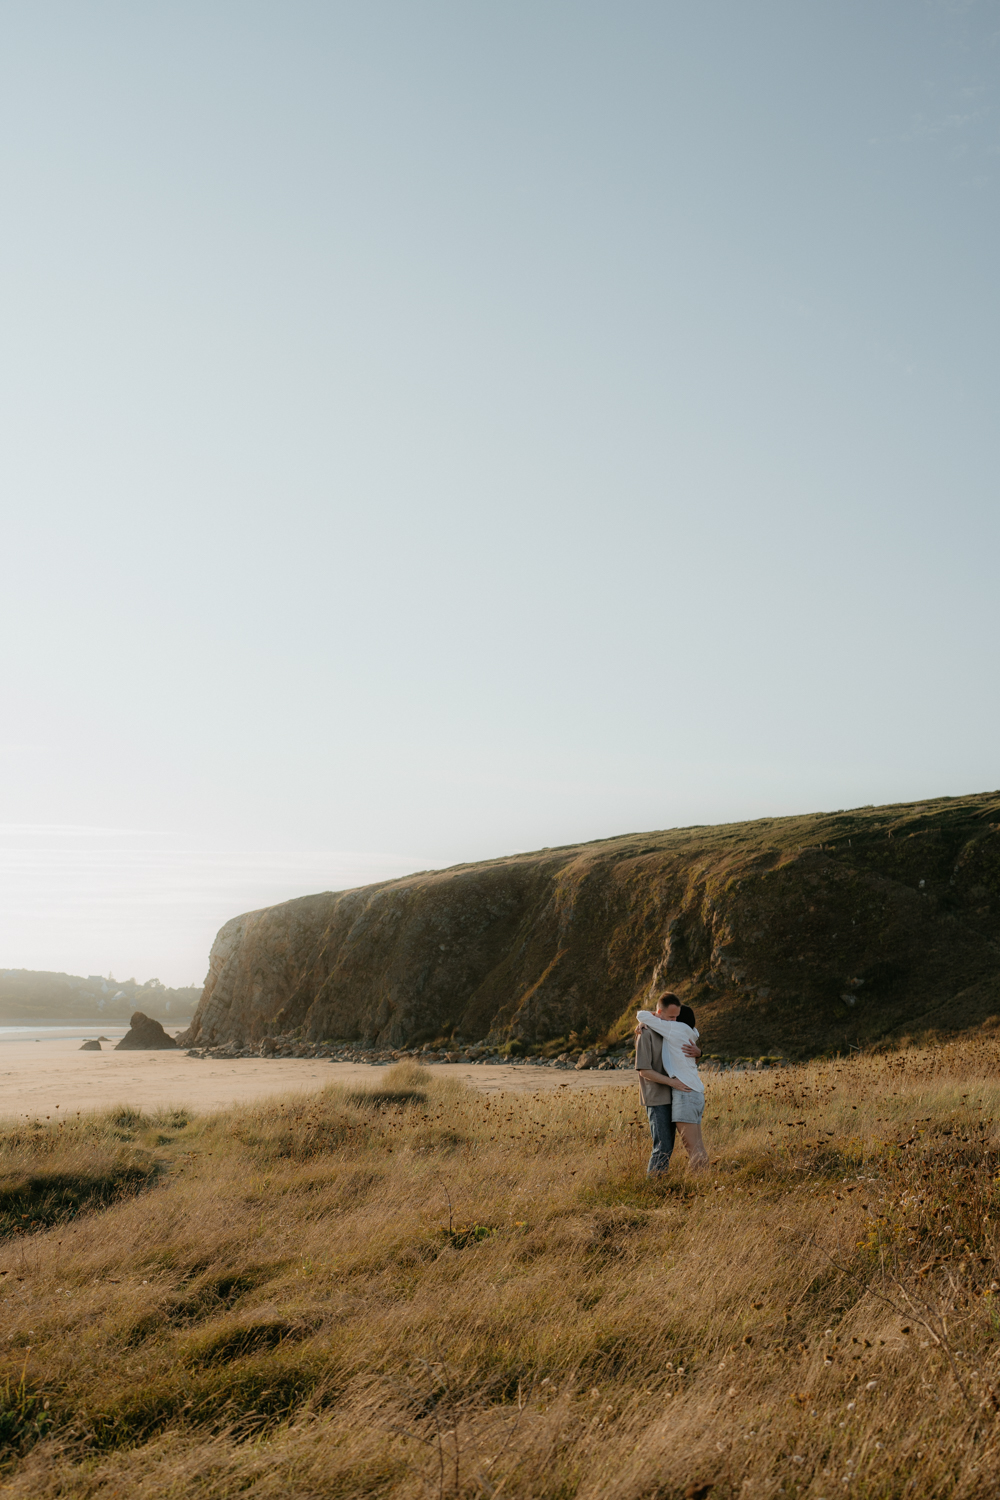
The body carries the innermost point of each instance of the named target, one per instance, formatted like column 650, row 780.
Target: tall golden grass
column 429, row 1292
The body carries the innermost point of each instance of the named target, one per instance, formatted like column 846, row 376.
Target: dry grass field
column 428, row 1292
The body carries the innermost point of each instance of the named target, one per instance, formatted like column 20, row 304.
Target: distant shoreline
column 31, row 997
column 88, row 1023
column 84, row 1023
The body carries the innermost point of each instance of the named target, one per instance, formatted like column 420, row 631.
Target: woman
column 675, row 1024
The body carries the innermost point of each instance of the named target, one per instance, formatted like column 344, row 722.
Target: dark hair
column 658, row 1000
column 687, row 1016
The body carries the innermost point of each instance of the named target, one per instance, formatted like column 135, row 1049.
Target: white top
column 675, row 1034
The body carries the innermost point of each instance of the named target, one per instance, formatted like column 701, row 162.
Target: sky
column 430, row 431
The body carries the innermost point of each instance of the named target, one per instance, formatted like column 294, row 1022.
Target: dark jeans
column 661, row 1128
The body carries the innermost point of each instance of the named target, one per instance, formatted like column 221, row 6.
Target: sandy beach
column 36, row 1078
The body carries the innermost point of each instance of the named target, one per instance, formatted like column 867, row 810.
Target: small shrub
column 465, row 1235
column 127, row 1118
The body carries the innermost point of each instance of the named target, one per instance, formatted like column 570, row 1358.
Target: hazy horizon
column 434, row 432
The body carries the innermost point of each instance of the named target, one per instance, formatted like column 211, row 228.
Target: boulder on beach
column 91, row 1047
column 145, row 1035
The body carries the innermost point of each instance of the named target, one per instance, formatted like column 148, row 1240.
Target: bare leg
column 693, row 1145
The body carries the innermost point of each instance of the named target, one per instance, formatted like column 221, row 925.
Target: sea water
column 75, row 1032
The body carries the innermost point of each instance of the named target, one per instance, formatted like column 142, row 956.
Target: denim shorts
column 688, row 1108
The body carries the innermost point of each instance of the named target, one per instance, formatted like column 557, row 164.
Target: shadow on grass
column 635, row 1190
column 244, row 1398
column 237, row 1340
column 36, row 1200
column 205, row 1298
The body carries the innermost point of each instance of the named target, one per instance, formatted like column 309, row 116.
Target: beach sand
column 36, row 1077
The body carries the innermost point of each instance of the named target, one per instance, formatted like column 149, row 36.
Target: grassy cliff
column 796, row 935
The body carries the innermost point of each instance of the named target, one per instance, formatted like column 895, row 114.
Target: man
column 656, row 1086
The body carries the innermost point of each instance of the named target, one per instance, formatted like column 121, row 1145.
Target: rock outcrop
column 90, row 1047
column 791, row 935
column 144, row 1035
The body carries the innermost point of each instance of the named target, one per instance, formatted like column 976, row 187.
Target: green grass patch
column 24, row 1416
column 246, row 1398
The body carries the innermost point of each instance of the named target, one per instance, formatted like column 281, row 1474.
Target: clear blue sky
column 429, row 431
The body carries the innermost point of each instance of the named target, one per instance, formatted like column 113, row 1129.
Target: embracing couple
column 666, row 1049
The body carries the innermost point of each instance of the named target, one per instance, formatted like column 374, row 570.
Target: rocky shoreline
column 600, row 1059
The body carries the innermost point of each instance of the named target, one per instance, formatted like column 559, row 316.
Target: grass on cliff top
column 430, row 1292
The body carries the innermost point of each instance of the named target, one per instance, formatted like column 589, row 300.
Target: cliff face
column 787, row 935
